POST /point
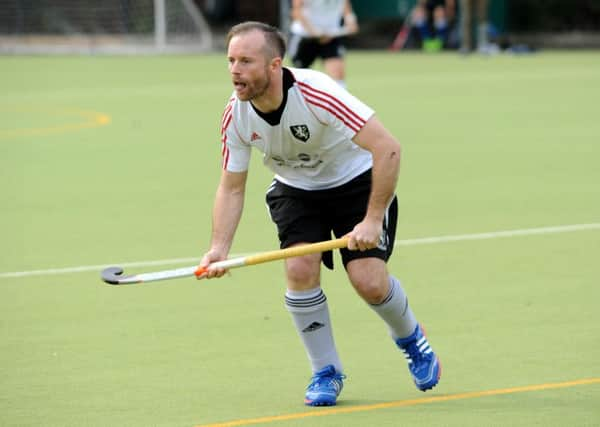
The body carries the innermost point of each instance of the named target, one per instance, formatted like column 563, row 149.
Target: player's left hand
column 365, row 235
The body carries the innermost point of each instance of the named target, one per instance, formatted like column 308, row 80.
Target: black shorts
column 312, row 216
column 304, row 50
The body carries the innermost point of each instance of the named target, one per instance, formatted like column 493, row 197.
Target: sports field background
column 114, row 160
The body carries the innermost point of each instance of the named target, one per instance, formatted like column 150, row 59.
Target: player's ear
column 276, row 63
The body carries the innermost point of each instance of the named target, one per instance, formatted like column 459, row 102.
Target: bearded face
column 252, row 86
column 248, row 65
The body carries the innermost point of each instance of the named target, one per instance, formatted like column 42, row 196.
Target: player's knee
column 371, row 291
column 370, row 278
column 371, row 287
column 303, row 271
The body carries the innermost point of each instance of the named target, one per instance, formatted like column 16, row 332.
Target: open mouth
column 239, row 85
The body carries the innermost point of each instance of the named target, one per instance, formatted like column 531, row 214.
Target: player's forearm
column 386, row 167
column 385, row 150
column 227, row 212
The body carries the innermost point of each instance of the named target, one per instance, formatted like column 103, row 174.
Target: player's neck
column 272, row 98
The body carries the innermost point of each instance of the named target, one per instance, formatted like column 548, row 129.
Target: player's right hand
column 209, row 258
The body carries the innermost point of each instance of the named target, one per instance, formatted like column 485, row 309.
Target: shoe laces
column 324, row 379
column 414, row 354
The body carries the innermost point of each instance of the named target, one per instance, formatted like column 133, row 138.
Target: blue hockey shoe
column 423, row 364
column 324, row 388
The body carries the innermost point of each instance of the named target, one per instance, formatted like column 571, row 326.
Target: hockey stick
column 114, row 275
column 402, row 36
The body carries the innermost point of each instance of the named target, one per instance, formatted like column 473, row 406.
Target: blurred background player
column 317, row 31
column 432, row 19
column 483, row 26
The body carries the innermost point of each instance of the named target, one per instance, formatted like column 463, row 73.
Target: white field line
column 499, row 234
column 406, row 242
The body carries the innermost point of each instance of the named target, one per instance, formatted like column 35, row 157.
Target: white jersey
column 311, row 146
column 324, row 15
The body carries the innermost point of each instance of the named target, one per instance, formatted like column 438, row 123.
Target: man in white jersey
column 317, row 31
column 336, row 169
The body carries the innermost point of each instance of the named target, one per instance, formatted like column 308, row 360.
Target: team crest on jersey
column 300, row 132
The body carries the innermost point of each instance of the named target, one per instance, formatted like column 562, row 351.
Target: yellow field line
column 90, row 119
column 402, row 403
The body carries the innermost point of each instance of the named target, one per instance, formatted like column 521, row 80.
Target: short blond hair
column 274, row 40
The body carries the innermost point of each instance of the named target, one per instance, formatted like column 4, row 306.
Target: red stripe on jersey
column 225, row 152
column 227, row 109
column 225, row 113
column 327, row 105
column 333, row 102
column 339, row 103
column 225, row 121
column 352, row 126
column 223, row 144
column 229, row 102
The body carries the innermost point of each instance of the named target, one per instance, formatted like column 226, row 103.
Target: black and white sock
column 310, row 313
column 395, row 312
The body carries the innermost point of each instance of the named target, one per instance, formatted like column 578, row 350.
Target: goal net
column 103, row 26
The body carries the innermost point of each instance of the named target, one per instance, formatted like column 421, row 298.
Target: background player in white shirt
column 336, row 168
column 317, row 32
